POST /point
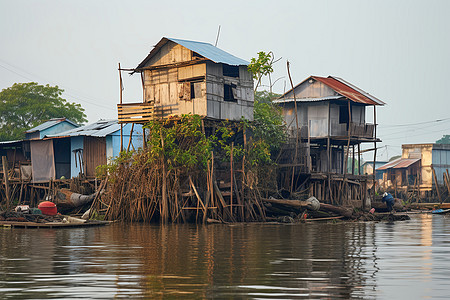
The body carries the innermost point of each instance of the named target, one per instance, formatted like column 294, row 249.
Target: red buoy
column 48, row 208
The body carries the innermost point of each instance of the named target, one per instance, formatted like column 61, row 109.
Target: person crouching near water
column 390, row 201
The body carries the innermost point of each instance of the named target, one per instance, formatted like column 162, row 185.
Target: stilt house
column 329, row 117
column 182, row 77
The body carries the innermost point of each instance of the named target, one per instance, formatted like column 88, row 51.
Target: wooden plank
column 136, row 114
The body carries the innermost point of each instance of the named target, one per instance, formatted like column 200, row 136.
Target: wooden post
column 375, row 151
column 121, row 125
column 296, row 128
column 330, row 193
column 5, row 176
column 243, row 174
column 131, row 136
column 353, row 160
column 231, row 177
column 447, row 183
column 164, row 206
column 437, row 184
column 359, row 159
column 349, row 136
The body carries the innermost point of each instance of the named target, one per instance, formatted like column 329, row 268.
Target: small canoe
column 13, row 224
column 440, row 211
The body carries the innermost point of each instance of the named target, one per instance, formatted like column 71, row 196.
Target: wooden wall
column 170, row 87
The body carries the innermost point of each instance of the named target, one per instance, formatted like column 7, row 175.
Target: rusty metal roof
column 399, row 163
column 348, row 90
column 287, row 100
column 341, row 87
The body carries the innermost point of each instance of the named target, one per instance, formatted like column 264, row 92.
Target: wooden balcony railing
column 136, row 112
column 318, row 130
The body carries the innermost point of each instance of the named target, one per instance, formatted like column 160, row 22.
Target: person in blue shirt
column 390, row 201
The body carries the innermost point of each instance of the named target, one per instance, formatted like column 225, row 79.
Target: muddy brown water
column 401, row 260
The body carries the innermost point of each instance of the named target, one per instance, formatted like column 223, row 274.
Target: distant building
column 367, row 169
column 415, row 167
column 182, row 77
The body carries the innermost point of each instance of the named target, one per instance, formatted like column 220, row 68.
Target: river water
column 401, row 260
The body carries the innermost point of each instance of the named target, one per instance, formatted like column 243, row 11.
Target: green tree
column 268, row 123
column 444, row 140
column 25, row 105
column 261, row 66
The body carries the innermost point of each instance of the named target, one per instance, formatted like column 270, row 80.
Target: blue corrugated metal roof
column 204, row 49
column 211, row 52
column 100, row 128
column 49, row 124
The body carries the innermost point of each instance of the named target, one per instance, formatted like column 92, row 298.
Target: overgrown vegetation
column 181, row 157
column 177, row 176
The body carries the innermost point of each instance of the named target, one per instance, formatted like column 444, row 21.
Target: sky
column 398, row 51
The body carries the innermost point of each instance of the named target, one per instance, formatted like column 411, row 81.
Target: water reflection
column 345, row 260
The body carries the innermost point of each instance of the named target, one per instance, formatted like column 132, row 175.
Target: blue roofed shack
column 49, row 127
column 92, row 145
column 18, row 153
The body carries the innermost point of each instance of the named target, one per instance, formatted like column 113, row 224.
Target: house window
column 229, row 92
column 196, row 89
column 190, row 90
column 343, row 114
column 230, row 71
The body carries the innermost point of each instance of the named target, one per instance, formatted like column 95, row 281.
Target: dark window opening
column 231, row 71
column 229, row 92
column 196, row 55
column 343, row 115
column 196, row 89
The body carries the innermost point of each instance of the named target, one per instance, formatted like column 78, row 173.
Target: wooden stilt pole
column 164, row 204
column 131, row 136
column 296, row 130
column 121, row 92
column 374, row 151
column 437, row 184
column 6, row 180
column 231, row 178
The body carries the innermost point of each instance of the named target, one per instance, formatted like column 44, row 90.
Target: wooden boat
column 14, row 224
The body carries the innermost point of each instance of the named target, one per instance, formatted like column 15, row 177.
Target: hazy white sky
column 399, row 51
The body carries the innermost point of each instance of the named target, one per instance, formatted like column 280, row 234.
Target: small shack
column 182, row 77
column 20, row 153
column 84, row 148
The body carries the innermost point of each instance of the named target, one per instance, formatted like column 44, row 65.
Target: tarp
column 42, row 160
